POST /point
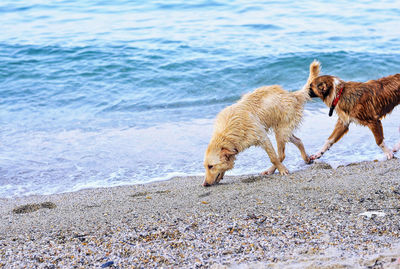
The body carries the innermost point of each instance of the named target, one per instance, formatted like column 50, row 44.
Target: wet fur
column 365, row 103
column 248, row 122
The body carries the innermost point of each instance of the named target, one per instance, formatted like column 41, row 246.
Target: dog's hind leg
column 397, row 146
column 377, row 130
column 299, row 144
column 277, row 163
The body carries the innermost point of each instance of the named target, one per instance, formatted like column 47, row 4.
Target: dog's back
column 375, row 98
column 388, row 94
column 268, row 107
column 274, row 107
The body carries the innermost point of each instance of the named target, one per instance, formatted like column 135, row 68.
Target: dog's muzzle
column 311, row 93
column 205, row 184
column 216, row 181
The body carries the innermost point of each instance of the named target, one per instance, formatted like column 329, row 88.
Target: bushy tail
column 315, row 67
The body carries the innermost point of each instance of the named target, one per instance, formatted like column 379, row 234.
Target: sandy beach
column 315, row 218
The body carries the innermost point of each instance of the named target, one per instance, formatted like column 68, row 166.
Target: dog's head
column 217, row 161
column 323, row 86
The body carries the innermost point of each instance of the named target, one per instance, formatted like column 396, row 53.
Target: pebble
column 311, row 220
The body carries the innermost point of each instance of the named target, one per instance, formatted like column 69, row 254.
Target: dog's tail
column 315, row 68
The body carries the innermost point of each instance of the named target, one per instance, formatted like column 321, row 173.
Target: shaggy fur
column 363, row 103
column 248, row 122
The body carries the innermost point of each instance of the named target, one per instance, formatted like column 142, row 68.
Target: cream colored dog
column 248, row 122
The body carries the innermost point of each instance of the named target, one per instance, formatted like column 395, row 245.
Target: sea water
column 105, row 93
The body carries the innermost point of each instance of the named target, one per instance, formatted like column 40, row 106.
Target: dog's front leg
column 340, row 130
column 281, row 144
column 267, row 145
column 377, row 130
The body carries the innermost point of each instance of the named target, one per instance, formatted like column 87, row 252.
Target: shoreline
column 310, row 218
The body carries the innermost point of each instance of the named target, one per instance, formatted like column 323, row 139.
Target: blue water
column 106, row 93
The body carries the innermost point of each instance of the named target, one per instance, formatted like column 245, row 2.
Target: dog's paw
column 270, row 171
column 308, row 160
column 389, row 155
column 284, row 172
column 266, row 173
column 315, row 156
column 396, row 148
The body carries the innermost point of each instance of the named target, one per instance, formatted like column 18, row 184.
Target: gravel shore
column 320, row 217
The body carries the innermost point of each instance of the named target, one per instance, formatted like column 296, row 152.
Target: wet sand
column 308, row 219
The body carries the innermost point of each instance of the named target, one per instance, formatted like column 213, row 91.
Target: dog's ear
column 324, row 89
column 228, row 154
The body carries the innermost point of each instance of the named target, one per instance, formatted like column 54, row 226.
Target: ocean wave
column 128, row 106
column 119, row 78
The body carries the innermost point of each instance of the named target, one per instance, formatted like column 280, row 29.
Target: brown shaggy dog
column 248, row 122
column 363, row 103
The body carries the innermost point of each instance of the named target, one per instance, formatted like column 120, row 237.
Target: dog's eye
column 210, row 166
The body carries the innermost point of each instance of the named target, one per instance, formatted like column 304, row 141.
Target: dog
column 247, row 123
column 364, row 103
